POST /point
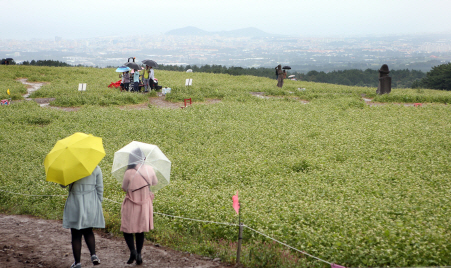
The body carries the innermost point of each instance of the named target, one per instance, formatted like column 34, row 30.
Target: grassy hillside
column 349, row 183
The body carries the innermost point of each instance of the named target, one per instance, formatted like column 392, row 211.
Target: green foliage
column 62, row 84
column 16, row 89
column 7, row 61
column 349, row 183
column 46, row 63
column 354, row 77
column 219, row 69
column 438, row 78
column 415, row 95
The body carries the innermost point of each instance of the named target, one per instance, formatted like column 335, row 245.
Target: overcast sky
column 70, row 19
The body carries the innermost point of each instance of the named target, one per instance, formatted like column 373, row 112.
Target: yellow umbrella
column 73, row 158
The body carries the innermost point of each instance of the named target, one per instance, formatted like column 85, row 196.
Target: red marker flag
column 236, row 203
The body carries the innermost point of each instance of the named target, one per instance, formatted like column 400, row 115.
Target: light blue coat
column 136, row 76
column 83, row 207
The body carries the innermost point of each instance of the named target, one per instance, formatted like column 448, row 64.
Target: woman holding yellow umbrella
column 73, row 162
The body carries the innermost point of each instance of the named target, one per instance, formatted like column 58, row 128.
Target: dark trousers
column 126, row 85
column 76, row 242
column 151, row 84
column 136, row 86
column 129, row 239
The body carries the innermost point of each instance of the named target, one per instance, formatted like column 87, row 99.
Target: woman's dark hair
column 135, row 157
column 132, row 166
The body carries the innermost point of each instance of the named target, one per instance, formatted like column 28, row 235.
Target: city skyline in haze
column 25, row 19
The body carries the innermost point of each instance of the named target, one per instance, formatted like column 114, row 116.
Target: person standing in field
column 136, row 80
column 145, row 78
column 126, row 77
column 122, row 81
column 279, row 76
column 137, row 208
column 151, row 78
column 82, row 212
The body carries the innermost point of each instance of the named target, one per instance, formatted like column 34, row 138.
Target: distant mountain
column 194, row 31
column 251, row 31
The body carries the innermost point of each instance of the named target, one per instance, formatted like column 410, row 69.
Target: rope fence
column 178, row 217
column 303, row 252
column 30, row 194
column 197, row 220
column 229, row 224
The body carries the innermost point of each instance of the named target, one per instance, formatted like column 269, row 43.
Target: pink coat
column 137, row 208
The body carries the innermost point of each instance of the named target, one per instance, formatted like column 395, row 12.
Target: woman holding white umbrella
column 137, row 208
column 142, row 169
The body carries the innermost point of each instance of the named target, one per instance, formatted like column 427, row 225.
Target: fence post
column 240, row 237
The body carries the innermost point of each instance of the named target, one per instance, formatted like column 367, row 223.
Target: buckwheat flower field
column 318, row 169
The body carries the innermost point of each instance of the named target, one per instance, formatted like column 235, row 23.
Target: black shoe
column 132, row 257
column 78, row 265
column 139, row 260
column 95, row 260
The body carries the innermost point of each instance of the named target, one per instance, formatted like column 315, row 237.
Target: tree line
column 354, row 77
column 219, row 69
column 437, row 78
column 367, row 78
column 54, row 63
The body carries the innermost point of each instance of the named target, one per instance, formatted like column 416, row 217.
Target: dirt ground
column 32, row 242
column 262, row 95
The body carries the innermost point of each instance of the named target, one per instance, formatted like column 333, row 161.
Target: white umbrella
column 142, row 154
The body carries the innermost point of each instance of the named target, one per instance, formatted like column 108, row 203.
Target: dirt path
column 31, row 87
column 158, row 101
column 31, row 242
column 262, row 95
